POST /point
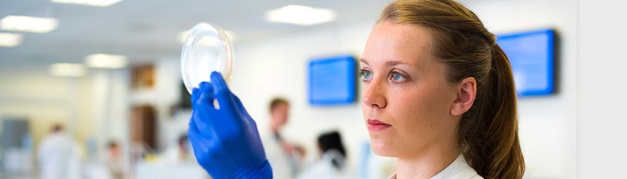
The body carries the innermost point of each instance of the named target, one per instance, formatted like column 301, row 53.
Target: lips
column 376, row 125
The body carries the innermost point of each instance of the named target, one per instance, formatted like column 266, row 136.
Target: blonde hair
column 488, row 132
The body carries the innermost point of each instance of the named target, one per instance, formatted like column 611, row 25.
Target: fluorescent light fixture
column 100, row 60
column 10, row 39
column 300, row 15
column 182, row 36
column 98, row 3
column 28, row 24
column 67, row 69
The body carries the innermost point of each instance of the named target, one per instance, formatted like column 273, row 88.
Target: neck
column 429, row 162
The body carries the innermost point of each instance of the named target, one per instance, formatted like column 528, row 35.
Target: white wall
column 278, row 67
column 601, row 90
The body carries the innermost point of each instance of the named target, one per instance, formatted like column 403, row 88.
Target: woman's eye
column 397, row 77
column 366, row 75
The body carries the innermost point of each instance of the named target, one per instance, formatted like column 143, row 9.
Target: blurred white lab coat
column 281, row 162
column 58, row 157
column 324, row 167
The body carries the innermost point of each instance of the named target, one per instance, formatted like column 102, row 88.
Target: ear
column 466, row 91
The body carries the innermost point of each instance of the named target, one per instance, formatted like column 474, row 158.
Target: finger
column 203, row 106
column 203, row 129
column 222, row 92
column 203, row 84
column 207, row 119
column 227, row 106
column 208, row 137
column 201, row 143
column 205, row 96
column 192, row 123
column 218, row 82
column 195, row 94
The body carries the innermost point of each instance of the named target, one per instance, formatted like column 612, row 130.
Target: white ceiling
column 148, row 29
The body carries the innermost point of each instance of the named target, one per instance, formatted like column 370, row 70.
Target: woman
column 332, row 162
column 438, row 95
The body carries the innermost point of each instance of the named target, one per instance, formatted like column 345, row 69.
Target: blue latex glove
column 225, row 138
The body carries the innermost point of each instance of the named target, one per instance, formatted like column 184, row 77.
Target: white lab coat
column 324, row 168
column 458, row 169
column 282, row 166
column 58, row 157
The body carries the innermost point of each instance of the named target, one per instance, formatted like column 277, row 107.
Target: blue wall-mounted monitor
column 332, row 80
column 531, row 55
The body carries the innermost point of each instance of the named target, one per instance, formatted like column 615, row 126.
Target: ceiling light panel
column 67, row 69
column 97, row 3
column 106, row 61
column 10, row 39
column 300, row 15
column 28, row 24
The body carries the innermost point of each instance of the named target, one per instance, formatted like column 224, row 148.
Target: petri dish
column 207, row 48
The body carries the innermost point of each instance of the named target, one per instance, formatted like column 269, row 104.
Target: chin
column 381, row 147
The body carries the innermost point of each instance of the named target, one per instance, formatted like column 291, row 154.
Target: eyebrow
column 363, row 61
column 387, row 63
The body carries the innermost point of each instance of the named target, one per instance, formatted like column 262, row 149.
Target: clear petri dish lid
column 206, row 49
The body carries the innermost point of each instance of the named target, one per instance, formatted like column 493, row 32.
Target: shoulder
column 458, row 169
column 476, row 177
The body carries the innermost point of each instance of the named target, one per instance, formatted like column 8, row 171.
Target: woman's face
column 407, row 101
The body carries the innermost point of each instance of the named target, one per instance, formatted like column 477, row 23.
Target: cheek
column 410, row 109
column 432, row 102
column 419, row 111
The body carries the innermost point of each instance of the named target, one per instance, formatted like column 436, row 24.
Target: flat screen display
column 332, row 80
column 531, row 55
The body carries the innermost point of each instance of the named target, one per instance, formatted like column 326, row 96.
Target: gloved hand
column 224, row 137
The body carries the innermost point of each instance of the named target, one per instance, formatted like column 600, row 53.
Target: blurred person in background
column 332, row 161
column 113, row 160
column 184, row 149
column 104, row 164
column 179, row 153
column 281, row 154
column 58, row 155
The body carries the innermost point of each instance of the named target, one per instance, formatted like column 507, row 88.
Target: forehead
column 405, row 43
column 281, row 106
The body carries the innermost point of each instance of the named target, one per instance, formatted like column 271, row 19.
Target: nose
column 374, row 94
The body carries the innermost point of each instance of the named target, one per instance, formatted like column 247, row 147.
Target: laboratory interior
column 101, row 88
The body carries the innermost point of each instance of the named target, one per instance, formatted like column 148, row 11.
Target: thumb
column 222, row 92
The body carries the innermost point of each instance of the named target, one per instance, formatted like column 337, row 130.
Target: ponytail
column 502, row 148
column 489, row 130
